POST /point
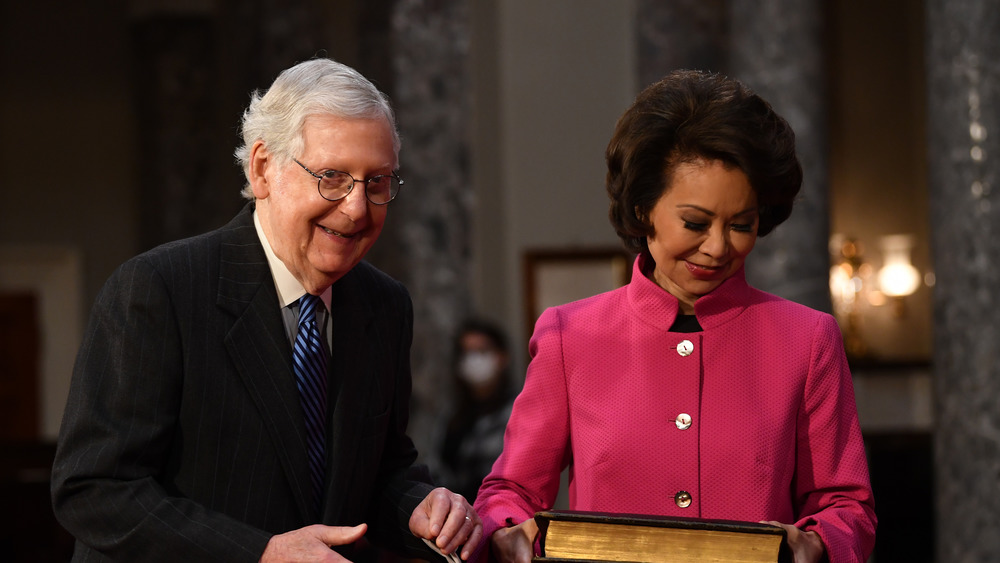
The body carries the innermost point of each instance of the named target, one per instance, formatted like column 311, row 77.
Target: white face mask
column 477, row 368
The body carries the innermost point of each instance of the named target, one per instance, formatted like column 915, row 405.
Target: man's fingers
column 438, row 511
column 457, row 526
column 340, row 535
column 311, row 543
column 470, row 544
column 458, row 516
column 448, row 520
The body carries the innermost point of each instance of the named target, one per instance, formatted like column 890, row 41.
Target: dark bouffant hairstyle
column 691, row 115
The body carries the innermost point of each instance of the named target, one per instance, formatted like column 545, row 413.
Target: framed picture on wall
column 555, row 277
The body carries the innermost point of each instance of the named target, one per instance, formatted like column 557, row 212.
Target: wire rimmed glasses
column 334, row 185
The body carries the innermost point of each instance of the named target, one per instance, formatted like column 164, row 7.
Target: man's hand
column 447, row 519
column 311, row 544
column 515, row 544
column 806, row 546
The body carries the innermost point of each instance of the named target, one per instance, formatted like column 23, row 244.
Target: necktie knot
column 307, row 308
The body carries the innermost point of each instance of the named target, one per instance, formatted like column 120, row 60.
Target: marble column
column 680, row 34
column 777, row 49
column 430, row 230
column 963, row 74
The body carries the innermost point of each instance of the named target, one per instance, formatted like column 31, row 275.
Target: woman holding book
column 688, row 393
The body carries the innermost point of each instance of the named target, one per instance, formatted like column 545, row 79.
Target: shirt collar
column 289, row 288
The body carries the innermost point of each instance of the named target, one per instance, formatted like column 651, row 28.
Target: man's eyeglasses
column 334, row 185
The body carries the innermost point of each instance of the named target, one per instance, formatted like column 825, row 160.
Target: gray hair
column 314, row 87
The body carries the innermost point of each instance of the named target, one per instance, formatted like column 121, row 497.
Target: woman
column 689, row 393
column 485, row 393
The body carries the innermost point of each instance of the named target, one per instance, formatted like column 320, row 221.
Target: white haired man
column 190, row 433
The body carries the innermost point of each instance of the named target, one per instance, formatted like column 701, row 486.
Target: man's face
column 320, row 240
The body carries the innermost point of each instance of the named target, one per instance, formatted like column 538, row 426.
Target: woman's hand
column 515, row 544
column 806, row 546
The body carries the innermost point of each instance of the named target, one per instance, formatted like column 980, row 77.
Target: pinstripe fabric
column 183, row 437
column 309, row 359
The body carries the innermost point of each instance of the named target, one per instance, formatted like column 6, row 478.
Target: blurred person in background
column 485, row 393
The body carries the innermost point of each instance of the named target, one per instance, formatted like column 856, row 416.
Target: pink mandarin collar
column 657, row 307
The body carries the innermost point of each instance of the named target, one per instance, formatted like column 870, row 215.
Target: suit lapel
column 260, row 351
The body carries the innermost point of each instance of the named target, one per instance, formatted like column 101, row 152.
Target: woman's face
column 704, row 226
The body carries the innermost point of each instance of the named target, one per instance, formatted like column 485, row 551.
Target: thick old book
column 567, row 535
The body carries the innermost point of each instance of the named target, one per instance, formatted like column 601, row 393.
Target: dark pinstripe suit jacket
column 183, row 437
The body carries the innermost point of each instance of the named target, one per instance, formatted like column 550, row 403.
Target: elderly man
column 242, row 395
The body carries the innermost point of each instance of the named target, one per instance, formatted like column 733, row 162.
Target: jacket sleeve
column 525, row 478
column 117, row 429
column 833, row 493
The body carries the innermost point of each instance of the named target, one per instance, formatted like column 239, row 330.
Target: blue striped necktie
column 310, row 360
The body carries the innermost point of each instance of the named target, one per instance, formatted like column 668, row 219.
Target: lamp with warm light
column 897, row 277
column 858, row 290
column 848, row 282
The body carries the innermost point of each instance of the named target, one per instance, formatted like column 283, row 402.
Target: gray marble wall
column 681, row 34
column 963, row 70
column 777, row 49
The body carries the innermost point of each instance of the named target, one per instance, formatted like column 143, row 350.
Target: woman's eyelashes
column 701, row 226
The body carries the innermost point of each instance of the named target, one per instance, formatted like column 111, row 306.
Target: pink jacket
column 753, row 418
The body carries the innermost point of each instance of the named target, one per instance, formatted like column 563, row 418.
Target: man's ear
column 260, row 173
